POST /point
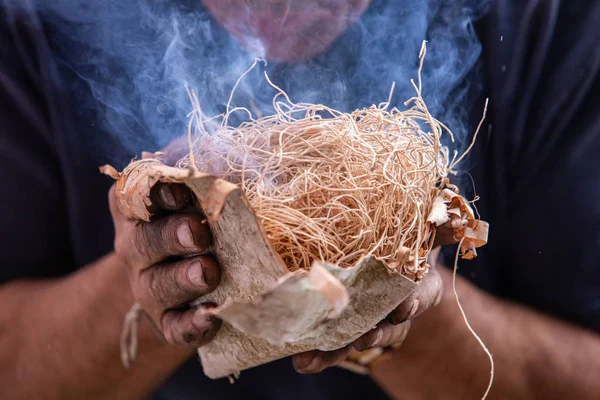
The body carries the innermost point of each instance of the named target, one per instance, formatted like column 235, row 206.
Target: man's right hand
column 166, row 272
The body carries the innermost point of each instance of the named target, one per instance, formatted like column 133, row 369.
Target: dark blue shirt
column 73, row 97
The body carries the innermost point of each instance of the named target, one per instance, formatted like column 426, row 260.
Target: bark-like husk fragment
column 268, row 312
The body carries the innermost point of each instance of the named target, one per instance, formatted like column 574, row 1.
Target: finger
column 312, row 362
column 171, row 196
column 114, row 208
column 427, row 294
column 179, row 283
column 445, row 235
column 173, row 235
column 190, row 328
column 384, row 335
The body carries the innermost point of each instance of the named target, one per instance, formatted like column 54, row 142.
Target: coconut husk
column 268, row 312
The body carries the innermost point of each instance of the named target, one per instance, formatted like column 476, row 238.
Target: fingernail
column 167, row 196
column 306, row 363
column 439, row 297
column 378, row 338
column 185, row 235
column 196, row 274
column 413, row 309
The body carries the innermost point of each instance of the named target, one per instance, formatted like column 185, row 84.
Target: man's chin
column 292, row 36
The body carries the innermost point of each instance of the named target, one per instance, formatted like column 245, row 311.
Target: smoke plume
column 136, row 57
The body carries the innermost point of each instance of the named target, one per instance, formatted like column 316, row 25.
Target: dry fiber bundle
column 333, row 186
column 311, row 210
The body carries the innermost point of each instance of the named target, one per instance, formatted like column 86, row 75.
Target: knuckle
column 119, row 244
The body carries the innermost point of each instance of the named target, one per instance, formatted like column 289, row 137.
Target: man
column 535, row 291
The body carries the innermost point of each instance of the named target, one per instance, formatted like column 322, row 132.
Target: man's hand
column 166, row 269
column 536, row 356
column 53, row 321
column 390, row 332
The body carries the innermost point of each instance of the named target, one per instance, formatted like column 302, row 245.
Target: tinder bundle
column 322, row 221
